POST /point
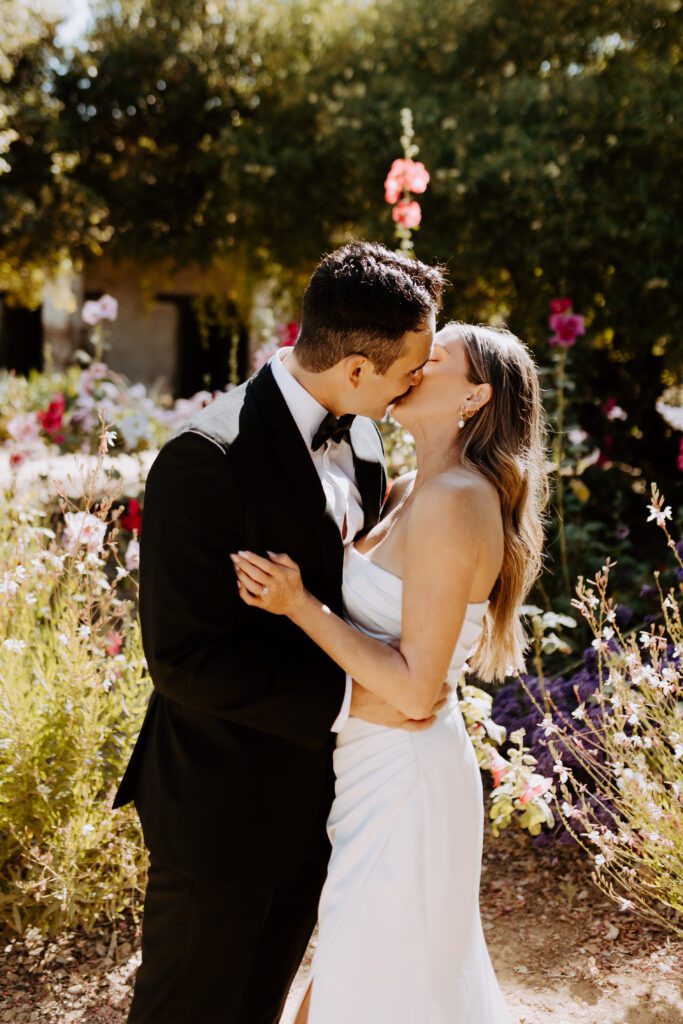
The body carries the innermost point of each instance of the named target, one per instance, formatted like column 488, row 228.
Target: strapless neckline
column 399, row 580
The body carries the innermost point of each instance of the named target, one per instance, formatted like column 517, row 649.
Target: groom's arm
column 202, row 650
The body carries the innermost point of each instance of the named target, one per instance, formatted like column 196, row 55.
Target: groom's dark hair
column 362, row 299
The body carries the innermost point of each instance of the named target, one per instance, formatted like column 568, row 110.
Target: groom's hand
column 370, row 708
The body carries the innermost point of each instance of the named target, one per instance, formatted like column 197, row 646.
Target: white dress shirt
column 334, row 465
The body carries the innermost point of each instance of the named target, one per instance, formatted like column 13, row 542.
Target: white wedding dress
column 400, row 936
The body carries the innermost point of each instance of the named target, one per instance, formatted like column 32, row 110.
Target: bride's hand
column 273, row 584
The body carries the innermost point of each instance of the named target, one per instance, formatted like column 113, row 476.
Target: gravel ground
column 563, row 954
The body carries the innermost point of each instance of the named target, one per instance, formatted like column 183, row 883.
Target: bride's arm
column 441, row 551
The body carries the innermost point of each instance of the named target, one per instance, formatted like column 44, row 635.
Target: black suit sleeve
column 205, row 648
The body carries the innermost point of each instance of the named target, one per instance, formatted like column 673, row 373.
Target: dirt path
column 563, row 955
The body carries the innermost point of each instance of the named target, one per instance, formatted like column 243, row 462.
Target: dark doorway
column 212, row 360
column 21, row 338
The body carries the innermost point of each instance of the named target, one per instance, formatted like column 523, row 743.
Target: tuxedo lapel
column 369, row 466
column 295, row 459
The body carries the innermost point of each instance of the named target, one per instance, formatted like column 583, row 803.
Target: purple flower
column 624, row 615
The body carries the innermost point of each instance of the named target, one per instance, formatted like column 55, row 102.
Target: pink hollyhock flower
column 680, row 456
column 499, row 767
column 567, row 327
column 408, row 214
column 536, row 786
column 83, row 529
column 405, row 174
column 114, row 643
column 392, row 190
column 560, row 305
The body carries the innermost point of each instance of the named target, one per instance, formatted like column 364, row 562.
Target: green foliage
column 251, row 137
column 72, row 691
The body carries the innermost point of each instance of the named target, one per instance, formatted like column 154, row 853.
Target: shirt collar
column 306, row 410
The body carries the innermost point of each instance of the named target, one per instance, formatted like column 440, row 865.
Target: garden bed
column 562, row 952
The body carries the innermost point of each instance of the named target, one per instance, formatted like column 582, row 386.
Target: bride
column 440, row 579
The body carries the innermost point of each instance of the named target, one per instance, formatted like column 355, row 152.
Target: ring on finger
column 264, row 591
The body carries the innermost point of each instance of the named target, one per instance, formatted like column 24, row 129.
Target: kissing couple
column 303, row 756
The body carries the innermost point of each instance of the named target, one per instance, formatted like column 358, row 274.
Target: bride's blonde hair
column 506, row 442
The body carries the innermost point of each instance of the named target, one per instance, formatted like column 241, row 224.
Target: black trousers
column 220, row 955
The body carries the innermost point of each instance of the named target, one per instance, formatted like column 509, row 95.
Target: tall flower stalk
column 406, row 176
column 566, row 326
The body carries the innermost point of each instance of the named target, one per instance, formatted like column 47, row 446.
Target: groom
column 232, row 771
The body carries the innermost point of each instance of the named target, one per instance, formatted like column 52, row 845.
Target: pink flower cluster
column 403, row 177
column 565, row 324
column 106, row 308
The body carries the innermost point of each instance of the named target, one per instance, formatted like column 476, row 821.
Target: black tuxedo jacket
column 232, row 771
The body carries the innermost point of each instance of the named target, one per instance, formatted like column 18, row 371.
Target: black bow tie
column 332, row 429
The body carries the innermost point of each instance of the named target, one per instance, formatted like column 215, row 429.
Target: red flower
column 289, row 333
column 408, row 214
column 560, row 305
column 50, row 419
column 132, row 517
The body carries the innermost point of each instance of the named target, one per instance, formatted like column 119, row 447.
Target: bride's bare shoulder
column 460, row 494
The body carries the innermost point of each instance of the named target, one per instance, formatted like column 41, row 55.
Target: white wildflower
column 15, row 645
column 84, row 529
column 8, row 586
column 660, row 515
column 132, row 558
column 548, row 725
